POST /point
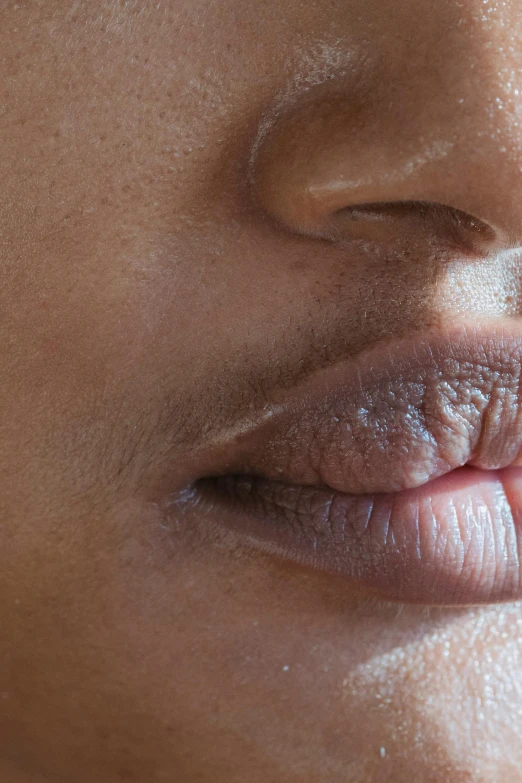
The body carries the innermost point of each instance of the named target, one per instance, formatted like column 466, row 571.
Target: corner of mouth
column 399, row 470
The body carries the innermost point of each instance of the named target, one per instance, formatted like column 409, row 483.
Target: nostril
column 333, row 183
column 339, row 159
column 421, row 209
column 407, row 222
column 390, row 219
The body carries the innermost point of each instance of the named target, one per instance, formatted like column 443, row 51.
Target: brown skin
column 163, row 265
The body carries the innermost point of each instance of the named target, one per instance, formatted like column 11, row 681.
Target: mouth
column 400, row 470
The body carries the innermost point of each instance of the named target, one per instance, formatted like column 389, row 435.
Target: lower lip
column 454, row 540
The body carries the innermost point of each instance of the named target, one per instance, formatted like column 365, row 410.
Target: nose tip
column 445, row 135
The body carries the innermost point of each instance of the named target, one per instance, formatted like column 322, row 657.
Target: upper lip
column 394, row 418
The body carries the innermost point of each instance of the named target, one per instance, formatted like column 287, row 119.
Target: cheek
column 449, row 698
column 266, row 664
column 224, row 665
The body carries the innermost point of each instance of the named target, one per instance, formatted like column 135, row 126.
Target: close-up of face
column 261, row 391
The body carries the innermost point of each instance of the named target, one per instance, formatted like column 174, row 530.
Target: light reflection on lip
column 395, row 418
column 455, row 540
column 361, row 471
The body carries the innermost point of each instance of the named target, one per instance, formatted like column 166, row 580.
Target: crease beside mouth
column 400, row 472
column 396, row 431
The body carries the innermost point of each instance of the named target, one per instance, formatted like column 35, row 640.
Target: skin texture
column 171, row 247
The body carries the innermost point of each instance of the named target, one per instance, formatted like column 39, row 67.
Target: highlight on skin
column 259, row 400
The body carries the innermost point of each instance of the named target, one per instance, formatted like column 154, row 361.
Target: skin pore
column 181, row 242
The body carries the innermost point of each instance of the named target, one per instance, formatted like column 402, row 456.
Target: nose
column 431, row 115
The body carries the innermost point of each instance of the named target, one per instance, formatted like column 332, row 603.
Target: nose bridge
column 435, row 115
